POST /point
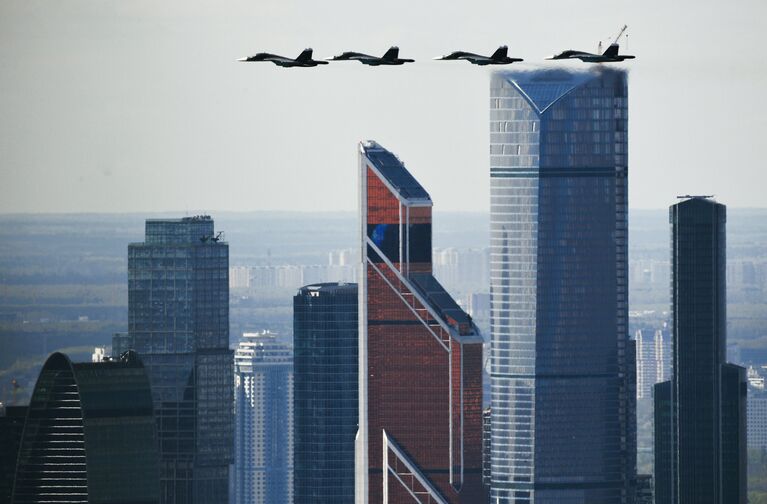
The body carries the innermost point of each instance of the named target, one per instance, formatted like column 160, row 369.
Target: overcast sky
column 139, row 105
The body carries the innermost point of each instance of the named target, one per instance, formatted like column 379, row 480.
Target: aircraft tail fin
column 611, row 51
column 500, row 53
column 392, row 53
column 306, row 55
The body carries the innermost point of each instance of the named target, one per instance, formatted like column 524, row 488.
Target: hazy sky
column 139, row 105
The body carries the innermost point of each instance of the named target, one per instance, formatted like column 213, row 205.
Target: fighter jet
column 303, row 60
column 499, row 57
column 609, row 56
column 390, row 57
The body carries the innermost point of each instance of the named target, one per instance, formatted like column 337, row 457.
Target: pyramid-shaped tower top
column 543, row 88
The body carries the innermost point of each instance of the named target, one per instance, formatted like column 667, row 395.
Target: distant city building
column 11, row 427
column 653, row 365
column 325, row 412
column 90, row 435
column 755, row 379
column 293, row 277
column 644, row 489
column 98, row 354
column 462, row 267
column 178, row 322
column 706, row 397
column 562, row 374
column 420, row 368
column 239, row 277
column 263, row 385
column 757, row 419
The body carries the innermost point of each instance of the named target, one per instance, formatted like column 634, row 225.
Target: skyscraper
column 420, row 355
column 263, row 389
column 653, row 347
column 707, row 396
column 11, row 427
column 325, row 336
column 562, row 374
column 89, row 436
column 178, row 322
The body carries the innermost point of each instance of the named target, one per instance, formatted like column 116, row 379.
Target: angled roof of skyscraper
column 543, row 88
column 393, row 170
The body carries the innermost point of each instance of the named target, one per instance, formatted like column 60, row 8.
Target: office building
column 706, row 396
column 90, row 435
column 11, row 427
column 487, row 444
column 263, row 389
column 653, row 348
column 178, row 322
column 420, row 389
column 325, row 411
column 757, row 419
column 562, row 374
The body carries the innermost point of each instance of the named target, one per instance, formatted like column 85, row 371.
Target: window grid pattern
column 562, row 364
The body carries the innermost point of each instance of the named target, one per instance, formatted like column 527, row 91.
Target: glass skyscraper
column 420, row 365
column 562, row 362
column 325, row 392
column 706, row 396
column 89, row 435
column 263, row 389
column 178, row 322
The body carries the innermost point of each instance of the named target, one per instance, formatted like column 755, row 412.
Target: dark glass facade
column 178, row 322
column 325, row 407
column 420, row 368
column 562, row 363
column 734, row 435
column 663, row 470
column 11, row 426
column 707, row 442
column 90, row 435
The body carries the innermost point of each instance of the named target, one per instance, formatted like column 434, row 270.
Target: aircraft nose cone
column 242, row 59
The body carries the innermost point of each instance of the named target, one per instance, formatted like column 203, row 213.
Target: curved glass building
column 562, row 370
column 90, row 435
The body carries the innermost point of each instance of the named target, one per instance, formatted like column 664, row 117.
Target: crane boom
column 615, row 40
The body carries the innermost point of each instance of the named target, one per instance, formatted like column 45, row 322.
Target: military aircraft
column 390, row 57
column 499, row 57
column 303, row 60
column 611, row 54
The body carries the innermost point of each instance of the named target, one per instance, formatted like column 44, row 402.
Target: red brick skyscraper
column 420, row 394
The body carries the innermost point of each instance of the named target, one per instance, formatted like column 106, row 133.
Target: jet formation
column 391, row 57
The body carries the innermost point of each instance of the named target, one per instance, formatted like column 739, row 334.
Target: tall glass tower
column 704, row 443
column 178, row 322
column 420, row 354
column 263, row 464
column 325, row 392
column 562, row 362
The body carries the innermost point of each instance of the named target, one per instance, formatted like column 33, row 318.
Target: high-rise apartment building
column 653, row 348
column 263, row 389
column 325, row 411
column 89, row 435
column 757, row 419
column 706, row 396
column 420, row 355
column 178, row 322
column 562, row 374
